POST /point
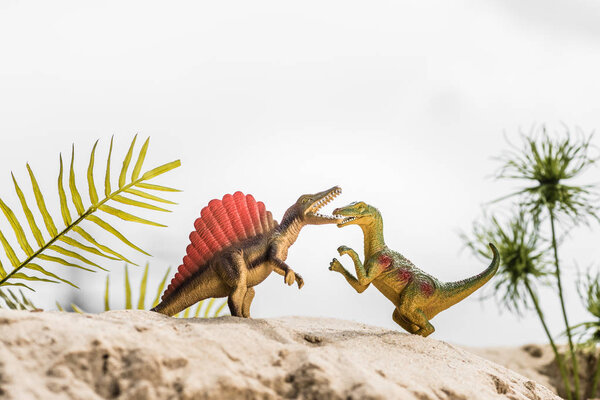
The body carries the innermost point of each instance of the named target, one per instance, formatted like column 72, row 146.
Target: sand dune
column 144, row 355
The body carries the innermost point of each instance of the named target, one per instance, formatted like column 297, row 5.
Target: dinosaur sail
column 222, row 223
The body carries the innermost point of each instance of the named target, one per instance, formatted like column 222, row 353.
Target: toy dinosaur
column 418, row 296
column 235, row 246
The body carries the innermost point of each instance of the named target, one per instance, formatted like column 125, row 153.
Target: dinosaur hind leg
column 407, row 326
column 247, row 302
column 233, row 272
column 418, row 318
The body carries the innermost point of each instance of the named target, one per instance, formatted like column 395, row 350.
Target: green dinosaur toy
column 236, row 245
column 418, row 296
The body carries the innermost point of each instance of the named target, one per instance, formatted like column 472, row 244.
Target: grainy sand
column 144, row 355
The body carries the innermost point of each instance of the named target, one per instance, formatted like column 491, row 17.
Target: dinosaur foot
column 335, row 265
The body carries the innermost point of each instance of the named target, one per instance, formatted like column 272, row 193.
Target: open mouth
column 346, row 221
column 323, row 202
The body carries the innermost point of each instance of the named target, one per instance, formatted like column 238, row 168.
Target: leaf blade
column 107, row 189
column 36, row 267
column 138, row 165
column 143, row 283
column 17, row 228
column 126, row 162
column 125, row 216
column 37, row 234
column 64, row 205
column 75, row 196
column 72, row 254
column 127, row 290
column 90, row 176
column 161, row 170
column 39, row 198
column 135, row 203
column 148, row 196
column 102, row 247
column 106, row 226
column 159, row 188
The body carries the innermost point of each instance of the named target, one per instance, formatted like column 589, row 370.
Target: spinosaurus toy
column 235, row 246
column 418, row 296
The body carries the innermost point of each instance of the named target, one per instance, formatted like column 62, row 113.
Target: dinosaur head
column 306, row 209
column 357, row 213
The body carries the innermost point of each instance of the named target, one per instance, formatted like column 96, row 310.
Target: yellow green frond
column 107, row 190
column 102, row 247
column 20, row 275
column 69, row 253
column 130, row 202
column 106, row 296
column 148, row 196
column 17, row 228
column 37, row 234
column 10, row 253
column 161, row 170
column 126, row 161
column 64, row 206
column 77, row 309
column 90, row 176
column 160, row 188
column 36, row 267
column 138, row 165
column 128, row 305
column 62, row 261
column 106, row 226
column 125, row 216
column 143, row 283
column 39, row 198
column 161, row 286
column 75, row 196
column 81, row 246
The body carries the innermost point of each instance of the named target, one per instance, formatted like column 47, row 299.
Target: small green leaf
column 128, row 305
column 38, row 268
column 2, row 271
column 16, row 284
column 30, row 219
column 160, row 188
column 64, row 205
column 69, row 253
column 198, row 308
column 126, row 162
column 106, row 249
column 142, row 299
column 17, row 228
column 220, row 309
column 62, row 261
column 10, row 253
column 106, row 226
column 208, row 307
column 126, row 216
column 130, row 202
column 77, row 309
column 161, row 170
column 160, row 288
column 81, row 246
column 148, row 196
column 74, row 192
column 107, row 189
column 39, row 198
column 59, row 307
column 20, row 275
column 106, row 297
column 138, row 165
column 90, row 176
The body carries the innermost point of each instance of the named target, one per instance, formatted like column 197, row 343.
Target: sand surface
column 144, row 355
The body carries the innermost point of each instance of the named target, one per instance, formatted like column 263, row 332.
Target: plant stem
column 559, row 360
column 596, row 377
column 562, row 305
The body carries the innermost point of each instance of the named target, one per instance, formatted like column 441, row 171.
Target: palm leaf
column 78, row 252
column 14, row 302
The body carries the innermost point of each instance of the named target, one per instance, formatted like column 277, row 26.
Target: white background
column 403, row 104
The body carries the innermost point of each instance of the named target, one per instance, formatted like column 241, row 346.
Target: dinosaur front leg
column 336, row 266
column 289, row 275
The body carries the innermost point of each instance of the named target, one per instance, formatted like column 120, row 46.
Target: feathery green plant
column 73, row 240
column 14, row 302
column 588, row 332
column 522, row 263
column 141, row 303
column 548, row 163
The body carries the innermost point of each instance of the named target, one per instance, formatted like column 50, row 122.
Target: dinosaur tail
column 453, row 292
column 202, row 285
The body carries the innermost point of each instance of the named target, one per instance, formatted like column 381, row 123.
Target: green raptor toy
column 418, row 296
column 236, row 245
